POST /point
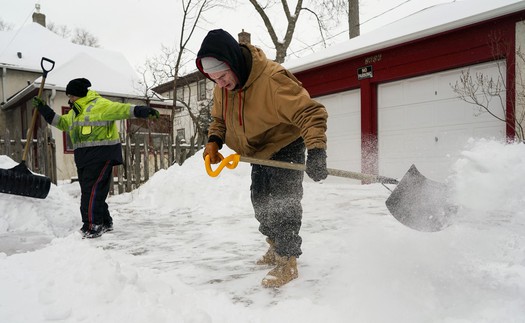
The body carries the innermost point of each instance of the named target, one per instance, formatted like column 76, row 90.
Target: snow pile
column 488, row 182
column 185, row 245
column 29, row 221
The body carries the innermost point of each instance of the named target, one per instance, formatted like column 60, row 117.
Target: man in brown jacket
column 261, row 110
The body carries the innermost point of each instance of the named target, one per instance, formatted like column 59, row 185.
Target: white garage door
column 344, row 129
column 421, row 121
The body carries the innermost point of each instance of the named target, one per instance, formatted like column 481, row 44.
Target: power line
column 346, row 30
column 16, row 34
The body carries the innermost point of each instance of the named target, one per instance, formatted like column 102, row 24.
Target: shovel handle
column 35, row 112
column 232, row 161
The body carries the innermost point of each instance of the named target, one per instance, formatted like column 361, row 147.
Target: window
column 154, row 130
column 66, row 139
column 181, row 134
column 180, row 93
column 161, row 125
column 201, row 90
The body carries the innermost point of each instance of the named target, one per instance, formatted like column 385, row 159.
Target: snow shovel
column 19, row 180
column 417, row 202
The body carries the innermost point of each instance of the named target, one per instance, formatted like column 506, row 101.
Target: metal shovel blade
column 420, row 203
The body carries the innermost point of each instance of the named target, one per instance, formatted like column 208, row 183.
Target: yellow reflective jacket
column 91, row 121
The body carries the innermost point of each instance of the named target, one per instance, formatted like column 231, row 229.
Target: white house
column 111, row 75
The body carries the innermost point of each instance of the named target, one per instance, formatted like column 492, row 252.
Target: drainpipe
column 52, row 97
column 4, row 72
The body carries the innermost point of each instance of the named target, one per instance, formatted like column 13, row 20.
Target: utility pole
column 353, row 18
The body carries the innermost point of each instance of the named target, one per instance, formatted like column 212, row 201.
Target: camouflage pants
column 276, row 195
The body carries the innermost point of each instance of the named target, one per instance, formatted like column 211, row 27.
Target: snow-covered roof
column 109, row 72
column 434, row 20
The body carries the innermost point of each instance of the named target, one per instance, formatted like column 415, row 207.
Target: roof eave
column 500, row 12
column 15, row 99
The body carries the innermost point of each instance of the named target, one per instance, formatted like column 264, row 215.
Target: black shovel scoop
column 19, row 180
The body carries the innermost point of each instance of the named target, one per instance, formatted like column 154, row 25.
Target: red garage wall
column 482, row 42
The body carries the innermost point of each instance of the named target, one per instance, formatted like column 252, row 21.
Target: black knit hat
column 78, row 87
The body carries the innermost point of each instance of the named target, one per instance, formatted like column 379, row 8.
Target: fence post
column 170, row 151
column 18, row 147
column 120, row 170
column 52, row 149
column 162, row 153
column 136, row 162
column 7, row 144
column 192, row 146
column 177, row 150
column 128, row 164
column 146, row 159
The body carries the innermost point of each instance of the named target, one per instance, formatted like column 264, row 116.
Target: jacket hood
column 221, row 45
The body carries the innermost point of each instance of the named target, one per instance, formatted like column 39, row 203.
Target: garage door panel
column 489, row 131
column 420, row 90
column 447, row 140
column 483, row 115
column 393, row 118
column 344, row 129
column 345, row 154
column 445, row 83
column 342, row 124
column 392, row 145
column 449, row 113
column 420, row 144
column 431, row 130
column 391, row 95
column 417, row 115
column 338, row 148
column 410, row 116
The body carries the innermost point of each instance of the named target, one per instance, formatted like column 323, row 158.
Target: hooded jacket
column 268, row 110
column 92, row 129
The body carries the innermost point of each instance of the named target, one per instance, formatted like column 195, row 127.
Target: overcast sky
column 138, row 28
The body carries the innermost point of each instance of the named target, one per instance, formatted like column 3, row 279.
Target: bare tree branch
column 486, row 92
column 84, row 37
column 5, row 26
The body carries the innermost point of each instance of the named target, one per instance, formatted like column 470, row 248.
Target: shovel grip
column 230, row 162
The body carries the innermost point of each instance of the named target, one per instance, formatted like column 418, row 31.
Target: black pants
column 94, row 186
column 276, row 195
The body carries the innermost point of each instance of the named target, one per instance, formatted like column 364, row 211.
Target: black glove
column 44, row 109
column 316, row 164
column 145, row 112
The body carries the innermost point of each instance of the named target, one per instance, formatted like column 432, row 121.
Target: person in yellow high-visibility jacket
column 91, row 126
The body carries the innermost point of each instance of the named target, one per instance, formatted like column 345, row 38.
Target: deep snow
column 185, row 245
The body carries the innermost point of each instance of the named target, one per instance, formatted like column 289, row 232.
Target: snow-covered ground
column 185, row 245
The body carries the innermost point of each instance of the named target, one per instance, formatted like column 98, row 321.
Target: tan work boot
column 284, row 272
column 269, row 257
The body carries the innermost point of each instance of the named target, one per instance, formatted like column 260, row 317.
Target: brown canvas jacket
column 271, row 111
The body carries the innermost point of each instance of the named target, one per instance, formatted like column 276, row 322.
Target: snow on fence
column 142, row 157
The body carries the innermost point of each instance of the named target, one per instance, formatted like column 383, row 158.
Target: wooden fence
column 41, row 156
column 142, row 157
